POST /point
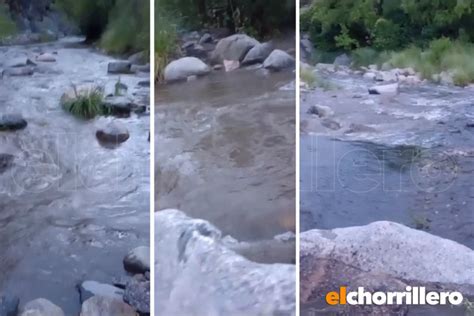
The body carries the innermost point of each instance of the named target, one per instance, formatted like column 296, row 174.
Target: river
column 407, row 158
column 70, row 209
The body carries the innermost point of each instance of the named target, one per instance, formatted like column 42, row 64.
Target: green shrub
column 7, row 26
column 128, row 27
column 85, row 104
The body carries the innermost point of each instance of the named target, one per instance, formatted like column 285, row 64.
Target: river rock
column 307, row 48
column 231, row 65
column 113, row 133
column 192, row 49
column 388, row 250
column 234, row 47
column 119, row 105
column 119, row 67
column 19, row 71
column 388, row 89
column 140, row 58
column 258, row 54
column 388, row 76
column 140, row 68
column 9, row 304
column 221, row 281
column 206, row 38
column 359, row 128
column 11, row 122
column 343, row 60
column 6, row 161
column 182, row 68
column 279, row 60
column 137, row 295
column 137, row 260
column 41, row 307
column 369, row 75
column 88, row 289
column 320, row 110
column 106, row 306
column 19, row 62
column 46, row 58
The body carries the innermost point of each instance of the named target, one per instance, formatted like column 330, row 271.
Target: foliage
column 86, row 104
column 120, row 25
column 165, row 39
column 261, row 17
column 442, row 55
column 387, row 24
column 128, row 28
column 7, row 26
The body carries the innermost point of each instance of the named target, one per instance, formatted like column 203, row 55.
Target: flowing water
column 70, row 209
column 224, row 151
column 407, row 158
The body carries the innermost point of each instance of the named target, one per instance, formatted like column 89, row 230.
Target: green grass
column 7, row 26
column 166, row 37
column 309, row 77
column 86, row 104
column 454, row 57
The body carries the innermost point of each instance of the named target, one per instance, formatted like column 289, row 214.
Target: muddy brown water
column 70, row 209
column 224, row 151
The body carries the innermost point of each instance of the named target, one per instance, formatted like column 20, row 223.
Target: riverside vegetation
column 430, row 37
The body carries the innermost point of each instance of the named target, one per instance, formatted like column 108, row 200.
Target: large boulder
column 185, row 67
column 343, row 60
column 41, row 307
column 11, row 122
column 46, row 58
column 199, row 275
column 106, row 306
column 279, row 60
column 382, row 255
column 258, row 54
column 234, row 47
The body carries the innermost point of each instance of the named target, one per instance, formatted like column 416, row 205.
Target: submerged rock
column 19, row 71
column 279, row 60
column 106, row 306
column 138, row 260
column 234, row 47
column 388, row 89
column 11, row 122
column 88, row 289
column 182, row 68
column 46, row 58
column 6, row 161
column 41, row 307
column 19, row 62
column 139, row 58
column 113, row 133
column 9, row 304
column 199, row 275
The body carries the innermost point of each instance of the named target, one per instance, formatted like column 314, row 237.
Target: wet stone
column 41, row 307
column 113, row 133
column 106, row 306
column 88, row 289
column 6, row 161
column 119, row 67
column 137, row 294
column 11, row 122
column 138, row 260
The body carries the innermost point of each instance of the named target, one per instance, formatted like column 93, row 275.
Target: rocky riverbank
column 203, row 52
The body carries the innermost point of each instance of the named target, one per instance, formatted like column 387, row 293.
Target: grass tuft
column 85, row 104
